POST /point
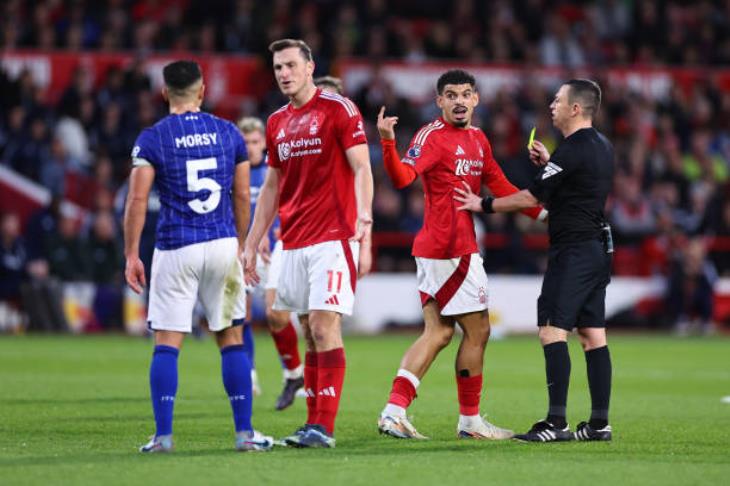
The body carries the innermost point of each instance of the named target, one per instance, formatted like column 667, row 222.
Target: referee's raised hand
column 539, row 155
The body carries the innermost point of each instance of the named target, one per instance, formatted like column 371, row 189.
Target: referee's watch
column 487, row 203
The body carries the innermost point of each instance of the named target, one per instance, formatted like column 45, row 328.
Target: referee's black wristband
column 487, row 203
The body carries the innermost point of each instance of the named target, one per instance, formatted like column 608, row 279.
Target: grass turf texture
column 75, row 409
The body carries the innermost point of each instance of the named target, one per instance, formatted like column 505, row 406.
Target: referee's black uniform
column 574, row 186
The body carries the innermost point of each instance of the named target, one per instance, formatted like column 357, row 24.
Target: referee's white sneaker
column 477, row 427
column 398, row 427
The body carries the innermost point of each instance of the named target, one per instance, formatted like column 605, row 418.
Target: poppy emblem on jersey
column 414, row 152
column 482, row 295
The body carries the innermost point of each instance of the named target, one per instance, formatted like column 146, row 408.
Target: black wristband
column 487, row 203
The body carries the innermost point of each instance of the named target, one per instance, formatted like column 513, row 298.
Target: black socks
column 598, row 365
column 557, row 372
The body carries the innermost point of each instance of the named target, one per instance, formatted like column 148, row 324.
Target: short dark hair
column 454, row 76
column 282, row 44
column 180, row 75
column 330, row 82
column 586, row 93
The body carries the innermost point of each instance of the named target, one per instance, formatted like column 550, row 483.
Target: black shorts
column 574, row 288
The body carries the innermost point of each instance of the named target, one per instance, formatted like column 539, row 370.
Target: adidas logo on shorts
column 333, row 300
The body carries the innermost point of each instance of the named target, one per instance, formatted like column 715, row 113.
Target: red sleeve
column 495, row 180
column 272, row 153
column 350, row 124
column 399, row 172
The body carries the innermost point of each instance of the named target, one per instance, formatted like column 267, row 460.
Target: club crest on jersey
column 414, row 152
column 281, row 134
column 314, row 126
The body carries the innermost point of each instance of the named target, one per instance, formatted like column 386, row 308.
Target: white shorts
column 458, row 285
column 268, row 272
column 208, row 271
column 318, row 277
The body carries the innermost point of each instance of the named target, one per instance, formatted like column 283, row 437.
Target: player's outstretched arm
column 359, row 160
column 266, row 206
column 401, row 174
column 500, row 186
column 242, row 201
column 140, row 184
column 514, row 202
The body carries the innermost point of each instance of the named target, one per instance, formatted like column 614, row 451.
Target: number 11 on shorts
column 330, row 280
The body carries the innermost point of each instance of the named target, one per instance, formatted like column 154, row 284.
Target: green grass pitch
column 74, row 410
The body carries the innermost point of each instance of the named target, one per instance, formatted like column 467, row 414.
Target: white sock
column 297, row 372
column 394, row 411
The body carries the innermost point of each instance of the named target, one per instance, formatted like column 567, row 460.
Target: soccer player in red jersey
column 320, row 178
column 451, row 277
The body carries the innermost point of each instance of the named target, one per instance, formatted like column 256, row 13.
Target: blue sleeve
column 240, row 151
column 144, row 147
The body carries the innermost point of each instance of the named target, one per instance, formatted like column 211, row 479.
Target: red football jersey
column 443, row 156
column 317, row 185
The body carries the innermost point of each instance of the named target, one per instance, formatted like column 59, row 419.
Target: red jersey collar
column 306, row 105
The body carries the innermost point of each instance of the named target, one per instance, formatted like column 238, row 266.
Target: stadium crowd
column 673, row 154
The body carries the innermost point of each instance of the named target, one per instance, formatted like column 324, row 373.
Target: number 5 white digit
column 197, row 184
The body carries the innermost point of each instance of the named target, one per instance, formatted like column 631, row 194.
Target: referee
column 573, row 184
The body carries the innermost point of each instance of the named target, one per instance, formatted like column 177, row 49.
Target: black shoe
column 289, row 392
column 544, row 431
column 586, row 432
column 316, row 437
column 295, row 439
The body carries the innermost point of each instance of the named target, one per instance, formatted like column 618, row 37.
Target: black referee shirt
column 574, row 185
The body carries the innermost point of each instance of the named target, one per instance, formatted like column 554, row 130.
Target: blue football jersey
column 258, row 175
column 194, row 156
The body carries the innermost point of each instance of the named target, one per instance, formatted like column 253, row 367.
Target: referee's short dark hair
column 454, row 76
column 586, row 93
column 180, row 75
column 282, row 44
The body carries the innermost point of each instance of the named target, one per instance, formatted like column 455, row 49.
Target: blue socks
column 236, row 370
column 163, row 387
column 248, row 345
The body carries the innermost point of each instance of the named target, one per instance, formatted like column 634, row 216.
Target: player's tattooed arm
column 359, row 160
column 242, row 201
column 140, row 184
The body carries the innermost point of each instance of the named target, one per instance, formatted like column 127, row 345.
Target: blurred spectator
column 690, row 290
column 106, row 264
column 68, row 255
column 13, row 259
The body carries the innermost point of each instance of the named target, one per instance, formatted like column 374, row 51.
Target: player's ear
column 201, row 92
column 165, row 94
column 310, row 67
column 476, row 98
column 440, row 101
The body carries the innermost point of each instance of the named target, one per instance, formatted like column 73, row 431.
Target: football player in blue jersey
column 200, row 166
column 269, row 267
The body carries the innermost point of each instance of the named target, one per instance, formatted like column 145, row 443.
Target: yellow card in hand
column 532, row 138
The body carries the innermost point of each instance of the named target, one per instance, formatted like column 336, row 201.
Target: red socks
column 470, row 390
column 330, row 376
column 287, row 345
column 310, row 385
column 402, row 393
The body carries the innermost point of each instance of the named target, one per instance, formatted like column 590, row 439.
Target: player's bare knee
column 439, row 337
column 551, row 334
column 231, row 336
column 277, row 320
column 591, row 338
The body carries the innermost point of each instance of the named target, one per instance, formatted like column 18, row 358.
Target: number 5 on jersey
column 197, row 184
